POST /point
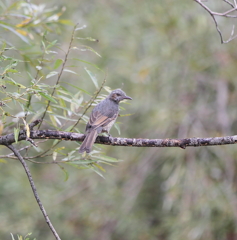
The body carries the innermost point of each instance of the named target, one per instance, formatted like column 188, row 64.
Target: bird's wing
column 98, row 120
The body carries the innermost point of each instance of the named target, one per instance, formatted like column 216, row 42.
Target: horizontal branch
column 114, row 141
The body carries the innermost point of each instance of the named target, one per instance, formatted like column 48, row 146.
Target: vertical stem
column 27, row 170
column 60, row 73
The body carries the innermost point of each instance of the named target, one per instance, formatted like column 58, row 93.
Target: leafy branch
column 60, row 73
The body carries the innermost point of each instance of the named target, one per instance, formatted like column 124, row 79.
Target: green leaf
column 53, row 121
column 65, row 98
column 98, row 166
column 52, row 44
column 106, row 158
column 65, row 118
column 80, row 60
column 66, row 174
column 16, row 134
column 70, row 71
column 79, row 162
column 78, row 167
column 57, row 63
column 12, row 71
column 90, row 49
column 100, row 174
column 48, row 97
column 3, row 160
column 23, row 38
column 3, row 46
column 117, row 128
column 93, row 78
column 65, row 22
column 51, row 74
column 78, row 88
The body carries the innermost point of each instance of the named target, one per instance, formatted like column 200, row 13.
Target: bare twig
column 27, row 170
column 231, row 4
column 224, row 14
column 90, row 103
column 10, row 155
column 60, row 73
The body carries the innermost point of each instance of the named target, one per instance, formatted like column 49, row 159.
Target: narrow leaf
column 106, row 158
column 52, row 44
column 57, row 63
column 80, row 60
column 23, row 38
column 80, row 28
column 93, row 78
column 78, row 88
column 48, row 97
column 51, row 74
column 70, row 71
column 16, row 134
column 3, row 160
column 98, row 166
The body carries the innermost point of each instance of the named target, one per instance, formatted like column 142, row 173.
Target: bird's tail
column 88, row 142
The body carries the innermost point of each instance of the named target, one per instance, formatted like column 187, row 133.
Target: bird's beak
column 127, row 97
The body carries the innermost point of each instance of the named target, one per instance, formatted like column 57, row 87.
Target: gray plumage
column 102, row 118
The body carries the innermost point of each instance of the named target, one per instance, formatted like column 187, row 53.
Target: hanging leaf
column 51, row 74
column 93, row 78
column 66, row 174
column 70, row 71
column 80, row 60
column 16, row 134
column 48, row 97
column 98, row 166
column 52, row 44
column 106, row 158
column 57, row 63
column 27, row 128
column 23, row 38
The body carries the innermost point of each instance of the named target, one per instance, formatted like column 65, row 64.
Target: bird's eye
column 118, row 94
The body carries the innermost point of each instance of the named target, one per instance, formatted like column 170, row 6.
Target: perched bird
column 102, row 118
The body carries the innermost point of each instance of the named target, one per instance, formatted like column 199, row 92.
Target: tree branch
column 27, row 170
column 60, row 73
column 224, row 14
column 128, row 142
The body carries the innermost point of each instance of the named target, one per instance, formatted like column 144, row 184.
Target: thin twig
column 225, row 14
column 27, row 170
column 60, row 73
column 89, row 103
column 231, row 4
column 30, row 95
column 21, row 149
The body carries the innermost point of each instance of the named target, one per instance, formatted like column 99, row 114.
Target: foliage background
column 167, row 56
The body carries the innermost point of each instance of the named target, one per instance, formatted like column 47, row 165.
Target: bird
column 102, row 118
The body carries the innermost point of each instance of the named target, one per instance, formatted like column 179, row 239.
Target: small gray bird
column 102, row 118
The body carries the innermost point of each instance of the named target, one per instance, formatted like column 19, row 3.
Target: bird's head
column 118, row 95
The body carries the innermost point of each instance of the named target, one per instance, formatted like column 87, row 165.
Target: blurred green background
column 168, row 57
